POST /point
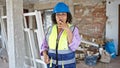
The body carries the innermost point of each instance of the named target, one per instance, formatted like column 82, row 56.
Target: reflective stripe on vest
column 64, row 62
column 64, row 56
column 60, row 51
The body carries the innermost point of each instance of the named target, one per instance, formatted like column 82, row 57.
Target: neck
column 59, row 29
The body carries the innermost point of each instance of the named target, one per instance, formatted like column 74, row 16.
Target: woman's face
column 61, row 17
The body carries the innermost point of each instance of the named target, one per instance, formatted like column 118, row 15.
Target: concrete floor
column 3, row 64
column 3, row 58
column 115, row 63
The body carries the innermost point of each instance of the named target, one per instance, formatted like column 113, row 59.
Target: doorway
column 119, row 31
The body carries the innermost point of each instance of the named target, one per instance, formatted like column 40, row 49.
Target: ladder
column 30, row 33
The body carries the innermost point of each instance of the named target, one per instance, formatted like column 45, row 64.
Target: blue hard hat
column 61, row 7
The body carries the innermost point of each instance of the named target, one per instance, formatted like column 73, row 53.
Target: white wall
column 112, row 22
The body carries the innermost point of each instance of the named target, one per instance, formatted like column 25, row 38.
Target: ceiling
column 2, row 2
column 34, row 1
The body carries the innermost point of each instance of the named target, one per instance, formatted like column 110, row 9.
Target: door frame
column 119, row 29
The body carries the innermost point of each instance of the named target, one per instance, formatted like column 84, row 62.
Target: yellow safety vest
column 62, row 43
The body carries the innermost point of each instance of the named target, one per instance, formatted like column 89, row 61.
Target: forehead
column 61, row 13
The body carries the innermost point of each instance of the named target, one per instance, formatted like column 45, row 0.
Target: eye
column 61, row 14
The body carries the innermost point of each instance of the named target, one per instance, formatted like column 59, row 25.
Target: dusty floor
column 3, row 64
column 115, row 63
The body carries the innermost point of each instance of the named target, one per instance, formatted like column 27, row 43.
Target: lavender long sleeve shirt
column 73, row 46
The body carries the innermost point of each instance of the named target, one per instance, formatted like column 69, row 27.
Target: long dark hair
column 69, row 18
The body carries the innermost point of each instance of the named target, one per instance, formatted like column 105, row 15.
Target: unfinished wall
column 91, row 17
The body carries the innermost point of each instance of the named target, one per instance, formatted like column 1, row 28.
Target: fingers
column 46, row 59
column 61, row 24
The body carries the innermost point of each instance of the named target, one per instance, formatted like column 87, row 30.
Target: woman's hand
column 63, row 25
column 46, row 58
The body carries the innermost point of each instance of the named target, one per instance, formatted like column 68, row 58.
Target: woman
column 62, row 39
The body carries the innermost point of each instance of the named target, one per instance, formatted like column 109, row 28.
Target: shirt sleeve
column 44, row 46
column 76, row 40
